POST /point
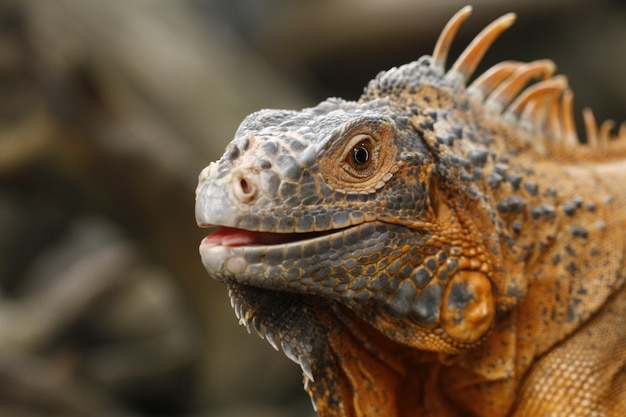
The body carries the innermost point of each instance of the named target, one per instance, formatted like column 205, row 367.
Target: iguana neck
column 560, row 234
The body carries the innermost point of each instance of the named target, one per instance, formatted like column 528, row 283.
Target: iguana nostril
column 245, row 189
column 245, row 186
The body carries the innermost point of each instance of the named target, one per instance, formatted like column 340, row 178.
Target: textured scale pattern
column 445, row 246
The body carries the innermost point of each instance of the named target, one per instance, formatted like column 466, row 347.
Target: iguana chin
column 437, row 248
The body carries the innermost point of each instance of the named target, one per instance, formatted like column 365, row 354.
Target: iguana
column 440, row 247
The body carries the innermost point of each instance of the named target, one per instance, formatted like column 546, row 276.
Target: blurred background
column 109, row 110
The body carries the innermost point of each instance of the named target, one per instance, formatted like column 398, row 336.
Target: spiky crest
column 528, row 95
column 507, row 89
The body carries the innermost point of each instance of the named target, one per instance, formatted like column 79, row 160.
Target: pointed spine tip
column 604, row 135
column 442, row 47
column 570, row 136
column 508, row 19
column 591, row 127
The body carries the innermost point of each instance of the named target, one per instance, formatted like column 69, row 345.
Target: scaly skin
column 434, row 249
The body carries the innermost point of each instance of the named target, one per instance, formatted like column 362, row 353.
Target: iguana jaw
column 257, row 266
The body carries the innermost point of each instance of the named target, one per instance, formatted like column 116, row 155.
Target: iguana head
column 366, row 216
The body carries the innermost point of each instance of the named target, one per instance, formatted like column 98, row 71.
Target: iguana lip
column 233, row 237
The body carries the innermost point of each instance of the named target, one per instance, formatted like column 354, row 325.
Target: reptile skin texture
column 444, row 246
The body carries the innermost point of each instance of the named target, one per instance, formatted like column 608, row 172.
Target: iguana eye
column 362, row 156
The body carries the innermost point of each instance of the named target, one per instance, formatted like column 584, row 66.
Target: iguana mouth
column 278, row 261
column 233, row 237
